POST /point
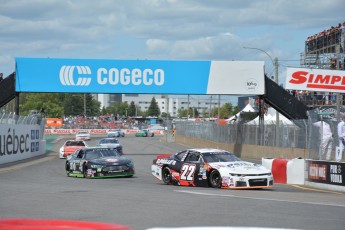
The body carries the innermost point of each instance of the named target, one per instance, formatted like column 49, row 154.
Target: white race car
column 210, row 168
column 111, row 142
column 116, row 133
column 83, row 135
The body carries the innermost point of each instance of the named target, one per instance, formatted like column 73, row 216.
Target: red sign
column 54, row 122
column 315, row 80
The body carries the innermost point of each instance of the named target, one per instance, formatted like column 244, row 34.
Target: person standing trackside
column 341, row 131
column 341, row 135
column 326, row 139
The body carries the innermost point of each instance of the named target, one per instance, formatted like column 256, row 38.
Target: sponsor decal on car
column 166, row 161
column 112, row 160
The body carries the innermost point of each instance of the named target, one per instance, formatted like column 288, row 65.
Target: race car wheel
column 67, row 168
column 152, row 134
column 214, row 179
column 166, row 176
column 85, row 171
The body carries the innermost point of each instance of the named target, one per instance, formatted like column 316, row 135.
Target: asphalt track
column 39, row 188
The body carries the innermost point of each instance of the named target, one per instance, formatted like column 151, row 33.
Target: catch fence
column 13, row 119
column 301, row 134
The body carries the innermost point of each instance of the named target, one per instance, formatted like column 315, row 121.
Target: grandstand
column 326, row 49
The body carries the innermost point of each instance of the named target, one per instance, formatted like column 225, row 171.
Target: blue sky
column 163, row 29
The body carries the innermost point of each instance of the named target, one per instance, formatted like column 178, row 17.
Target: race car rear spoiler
column 166, row 155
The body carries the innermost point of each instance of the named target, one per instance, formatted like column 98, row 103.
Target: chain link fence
column 302, row 134
column 289, row 136
column 13, row 119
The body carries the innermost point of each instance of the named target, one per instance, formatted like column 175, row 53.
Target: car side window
column 80, row 154
column 181, row 155
column 193, row 157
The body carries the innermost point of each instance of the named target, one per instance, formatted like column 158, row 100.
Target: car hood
column 111, row 160
column 240, row 167
column 72, row 148
column 82, row 135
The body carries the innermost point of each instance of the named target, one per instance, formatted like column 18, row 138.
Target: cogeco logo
column 66, row 75
column 113, row 76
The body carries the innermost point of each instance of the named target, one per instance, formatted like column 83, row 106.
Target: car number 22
column 187, row 172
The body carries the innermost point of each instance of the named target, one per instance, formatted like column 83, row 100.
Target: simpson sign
column 315, row 80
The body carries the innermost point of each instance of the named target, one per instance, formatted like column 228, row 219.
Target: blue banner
column 130, row 76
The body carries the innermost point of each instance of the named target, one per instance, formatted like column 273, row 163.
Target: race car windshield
column 107, row 141
column 99, row 153
column 83, row 133
column 75, row 143
column 220, row 157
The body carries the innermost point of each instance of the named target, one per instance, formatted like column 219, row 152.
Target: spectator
column 326, row 139
column 341, row 131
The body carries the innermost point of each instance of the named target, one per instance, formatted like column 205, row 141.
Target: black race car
column 98, row 162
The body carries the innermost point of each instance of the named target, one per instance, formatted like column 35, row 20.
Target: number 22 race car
column 210, row 168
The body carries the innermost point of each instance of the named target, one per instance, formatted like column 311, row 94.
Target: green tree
column 132, row 109
column 92, row 106
column 50, row 102
column 74, row 104
column 235, row 110
column 182, row 113
column 153, row 109
column 225, row 111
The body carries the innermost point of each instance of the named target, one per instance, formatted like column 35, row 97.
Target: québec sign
column 315, row 80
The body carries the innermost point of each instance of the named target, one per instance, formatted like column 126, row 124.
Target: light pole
column 275, row 64
column 84, row 104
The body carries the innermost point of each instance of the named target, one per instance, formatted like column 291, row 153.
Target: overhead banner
column 139, row 76
column 322, row 80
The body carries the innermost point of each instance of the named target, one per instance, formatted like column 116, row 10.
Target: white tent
column 267, row 120
column 247, row 108
column 271, row 118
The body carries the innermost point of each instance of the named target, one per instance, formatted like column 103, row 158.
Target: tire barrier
column 52, row 224
column 286, row 171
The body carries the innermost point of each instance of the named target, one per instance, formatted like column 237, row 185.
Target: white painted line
column 253, row 198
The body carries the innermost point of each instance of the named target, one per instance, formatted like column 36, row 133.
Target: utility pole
column 85, row 105
column 188, row 108
column 277, row 113
column 209, row 113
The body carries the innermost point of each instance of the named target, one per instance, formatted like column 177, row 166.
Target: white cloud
column 166, row 29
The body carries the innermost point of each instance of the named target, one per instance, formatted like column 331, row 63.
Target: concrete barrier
column 286, row 171
column 19, row 142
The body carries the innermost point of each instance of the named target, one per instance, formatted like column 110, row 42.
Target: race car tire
column 215, row 179
column 152, row 135
column 166, row 175
column 67, row 168
column 85, row 171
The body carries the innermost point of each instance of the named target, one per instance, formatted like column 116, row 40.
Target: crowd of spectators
column 315, row 98
column 332, row 36
column 101, row 122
